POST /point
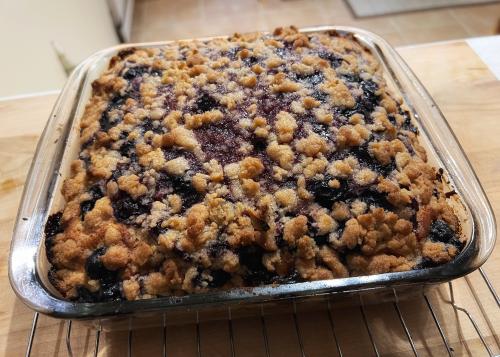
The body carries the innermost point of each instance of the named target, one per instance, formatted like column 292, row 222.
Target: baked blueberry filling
column 267, row 159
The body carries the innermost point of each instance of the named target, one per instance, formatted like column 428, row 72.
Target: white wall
column 28, row 62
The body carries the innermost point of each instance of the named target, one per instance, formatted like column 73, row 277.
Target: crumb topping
column 251, row 160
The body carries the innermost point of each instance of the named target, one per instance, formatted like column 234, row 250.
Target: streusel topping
column 251, row 160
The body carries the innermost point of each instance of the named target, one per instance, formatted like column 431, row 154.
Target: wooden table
column 467, row 93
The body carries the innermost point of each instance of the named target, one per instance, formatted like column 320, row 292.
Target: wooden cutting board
column 469, row 96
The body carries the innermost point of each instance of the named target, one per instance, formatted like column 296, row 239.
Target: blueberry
column 280, row 241
column 156, row 72
column 457, row 243
column 392, row 119
column 125, row 207
column 251, row 257
column 369, row 89
column 126, row 52
column 408, row 123
column 198, row 279
column 340, row 228
column 219, row 278
column 105, row 121
column 85, row 207
column 321, row 96
column 175, row 184
column 250, row 61
column 366, row 159
column 375, row 198
column 123, row 135
column 218, row 247
column 148, row 125
column 370, row 99
column 313, row 232
column 89, row 142
column 326, row 195
column 351, row 78
column 321, row 240
column 440, row 231
column 231, row 52
column 450, row 193
column 107, row 292
column 121, row 168
column 117, row 101
column 367, row 102
column 85, row 157
column 259, row 144
column 127, row 149
column 205, row 103
column 294, row 277
column 156, row 230
column 88, row 205
column 439, row 174
column 321, row 130
column 259, row 277
column 96, row 269
column 134, row 72
column 111, row 292
column 53, row 225
column 284, row 52
column 335, row 60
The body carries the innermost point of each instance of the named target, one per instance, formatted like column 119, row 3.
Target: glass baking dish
column 59, row 144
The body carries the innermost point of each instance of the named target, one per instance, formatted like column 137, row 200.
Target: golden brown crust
column 245, row 161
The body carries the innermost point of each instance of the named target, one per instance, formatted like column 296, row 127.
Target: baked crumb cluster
column 252, row 160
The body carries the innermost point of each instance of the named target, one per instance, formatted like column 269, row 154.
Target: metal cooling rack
column 487, row 349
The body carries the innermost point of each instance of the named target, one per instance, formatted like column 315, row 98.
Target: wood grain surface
column 469, row 96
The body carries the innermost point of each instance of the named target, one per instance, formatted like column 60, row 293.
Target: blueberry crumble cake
column 238, row 162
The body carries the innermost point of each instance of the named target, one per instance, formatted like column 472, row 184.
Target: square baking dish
column 59, row 145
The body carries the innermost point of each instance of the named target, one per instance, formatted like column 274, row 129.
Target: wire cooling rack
column 489, row 346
